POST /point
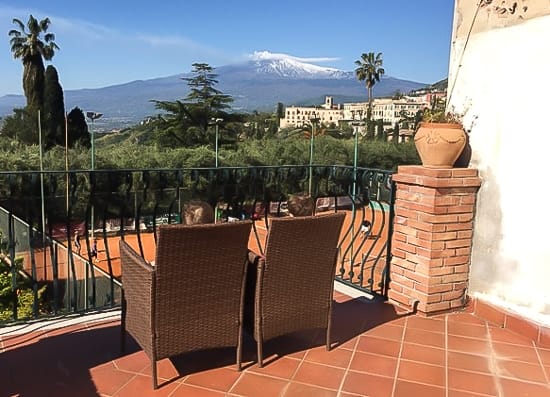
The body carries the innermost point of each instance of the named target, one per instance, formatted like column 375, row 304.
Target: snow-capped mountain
column 286, row 66
column 257, row 84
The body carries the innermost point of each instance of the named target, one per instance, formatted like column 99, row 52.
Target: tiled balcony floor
column 377, row 352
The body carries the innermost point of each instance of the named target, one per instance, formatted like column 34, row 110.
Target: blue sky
column 110, row 42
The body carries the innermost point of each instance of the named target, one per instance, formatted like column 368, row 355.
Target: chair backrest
column 198, row 283
column 295, row 289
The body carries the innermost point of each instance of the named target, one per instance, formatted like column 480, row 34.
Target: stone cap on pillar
column 437, row 177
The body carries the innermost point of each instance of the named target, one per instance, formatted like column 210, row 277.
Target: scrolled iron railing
column 40, row 212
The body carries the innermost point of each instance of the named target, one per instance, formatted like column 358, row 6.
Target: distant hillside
column 255, row 85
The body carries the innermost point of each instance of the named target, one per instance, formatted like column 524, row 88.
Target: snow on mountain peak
column 284, row 65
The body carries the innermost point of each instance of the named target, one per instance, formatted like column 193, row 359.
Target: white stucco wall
column 499, row 78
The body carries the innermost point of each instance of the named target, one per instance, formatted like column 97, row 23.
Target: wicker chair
column 292, row 284
column 192, row 298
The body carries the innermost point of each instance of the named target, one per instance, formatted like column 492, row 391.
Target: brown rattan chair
column 192, row 298
column 293, row 281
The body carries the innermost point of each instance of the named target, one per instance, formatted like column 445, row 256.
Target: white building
column 387, row 109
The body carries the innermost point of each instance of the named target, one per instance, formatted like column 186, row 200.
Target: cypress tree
column 54, row 110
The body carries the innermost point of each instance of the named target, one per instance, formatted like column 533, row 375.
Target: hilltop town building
column 389, row 110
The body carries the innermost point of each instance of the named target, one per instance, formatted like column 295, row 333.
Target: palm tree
column 369, row 69
column 29, row 45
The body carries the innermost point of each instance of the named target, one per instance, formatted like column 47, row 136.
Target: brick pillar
column 432, row 239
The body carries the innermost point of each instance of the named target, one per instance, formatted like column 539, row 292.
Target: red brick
column 425, row 191
column 468, row 199
column 434, row 254
column 447, row 200
column 453, row 277
column 399, row 211
column 400, row 220
column 462, row 243
column 464, row 172
column 461, row 209
column 399, row 237
column 444, row 236
column 426, row 226
column 420, row 278
column 437, row 307
column 404, row 247
column 431, row 245
column 463, row 251
column 396, row 286
column 441, row 271
column 406, row 230
column 452, row 295
column 465, row 234
column 471, row 182
column 403, row 281
column 402, row 263
column 430, row 289
column 450, row 227
column 461, row 268
column 399, row 298
column 435, row 262
column 438, row 218
column 460, row 286
column 456, row 260
column 465, row 217
column 397, row 253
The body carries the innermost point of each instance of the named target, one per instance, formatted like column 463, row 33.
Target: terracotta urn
column 439, row 144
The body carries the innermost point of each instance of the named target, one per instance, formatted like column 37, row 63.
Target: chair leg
column 240, row 349
column 154, row 374
column 260, row 353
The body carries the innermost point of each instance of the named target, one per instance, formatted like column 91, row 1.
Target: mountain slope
column 257, row 84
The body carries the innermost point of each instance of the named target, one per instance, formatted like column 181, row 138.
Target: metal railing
column 48, row 275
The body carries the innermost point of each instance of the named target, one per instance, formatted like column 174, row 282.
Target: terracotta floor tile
column 461, row 393
column 185, row 390
column 335, row 357
column 410, row 389
column 467, row 329
column 165, row 371
column 421, row 373
column 386, row 347
column 513, row 388
column 507, row 351
column 425, row 354
column 142, row 386
column 469, row 362
column 249, row 385
column 427, row 324
column 300, row 390
column 221, row 379
column 368, row 385
column 506, row 336
column 107, row 379
column 521, row 371
column 134, row 362
column 468, row 345
column 374, row 364
column 386, row 331
column 423, row 337
column 320, row 375
column 284, row 367
column 472, row 381
column 466, row 318
column 544, row 355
